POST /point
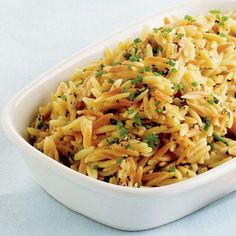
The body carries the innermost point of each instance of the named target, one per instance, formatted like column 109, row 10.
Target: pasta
column 156, row 110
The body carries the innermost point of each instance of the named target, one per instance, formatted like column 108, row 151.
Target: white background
column 35, row 35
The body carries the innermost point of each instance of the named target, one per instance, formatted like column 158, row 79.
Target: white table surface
column 35, row 35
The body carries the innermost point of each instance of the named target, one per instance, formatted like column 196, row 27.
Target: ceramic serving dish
column 120, row 207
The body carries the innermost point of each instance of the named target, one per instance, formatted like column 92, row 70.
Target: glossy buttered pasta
column 155, row 110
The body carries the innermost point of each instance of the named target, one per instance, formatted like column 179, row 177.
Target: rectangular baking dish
column 115, row 206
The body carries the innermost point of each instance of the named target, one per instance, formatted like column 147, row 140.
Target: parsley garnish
column 219, row 138
column 137, row 40
column 148, row 68
column 64, row 97
column 171, row 63
column 152, row 140
column 137, row 120
column 180, row 36
column 130, row 111
column 99, row 73
column 178, row 86
column 172, row 169
column 195, row 83
column 137, row 80
column 215, row 12
column 189, row 18
column 207, row 125
column 123, row 132
column 119, row 160
column 222, row 35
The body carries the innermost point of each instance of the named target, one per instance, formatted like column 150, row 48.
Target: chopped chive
column 157, row 29
column 129, row 67
column 157, row 103
column 173, row 70
column 134, row 58
column 157, row 49
column 119, row 160
column 137, row 80
column 99, row 73
column 116, row 140
column 224, row 18
column 222, row 35
column 64, row 97
column 137, row 120
column 156, row 74
column 119, row 124
column 189, row 18
column 40, row 124
column 148, row 68
column 180, row 36
column 178, row 86
column 215, row 12
column 172, row 169
column 171, row 63
column 152, row 140
column 195, row 83
column 123, row 132
column 159, row 110
column 130, row 111
column 219, row 138
column 137, row 40
column 207, row 125
column 168, row 30
column 128, row 146
column 110, row 81
column 211, row 144
column 148, row 126
column 127, row 55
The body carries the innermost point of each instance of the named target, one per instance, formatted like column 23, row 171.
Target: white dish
column 116, row 206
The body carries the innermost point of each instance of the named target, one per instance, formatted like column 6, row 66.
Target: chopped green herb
column 119, row 124
column 211, row 101
column 219, row 138
column 110, row 81
column 173, row 70
column 132, row 96
column 123, row 132
column 115, row 140
column 157, row 103
column 207, row 125
column 115, row 64
column 189, row 18
column 171, row 63
column 215, row 12
column 119, row 160
column 152, row 140
column 180, row 36
column 224, row 18
column 168, row 30
column 195, row 83
column 63, row 97
column 157, row 74
column 101, row 66
column 141, row 70
column 128, row 146
column 137, row 40
column 159, row 110
column 148, row 68
column 178, row 86
column 40, row 124
column 172, row 169
column 130, row 111
column 137, row 120
column 157, row 29
column 99, row 73
column 148, row 126
column 222, row 35
column 134, row 58
column 137, row 80
column 127, row 55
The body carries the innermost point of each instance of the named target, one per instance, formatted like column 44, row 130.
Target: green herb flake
column 147, row 68
column 224, row 18
column 63, row 97
column 130, row 111
column 99, row 73
column 157, row 29
column 159, row 110
column 178, row 86
column 207, row 125
column 219, row 138
column 211, row 144
column 171, row 63
column 110, row 81
column 180, row 36
column 134, row 58
column 137, row 120
column 119, row 160
column 128, row 146
column 129, row 67
column 119, row 124
column 40, row 124
column 115, row 64
column 152, row 140
column 195, row 83
column 215, row 12
column 172, row 169
column 115, row 140
column 173, row 70
column 137, row 40
column 127, row 55
column 157, row 74
column 189, row 18
column 137, row 80
column 123, row 132
column 157, row 103
column 148, row 126
column 168, row 30
column 222, row 35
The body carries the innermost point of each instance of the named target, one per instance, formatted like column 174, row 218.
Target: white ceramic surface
column 116, row 206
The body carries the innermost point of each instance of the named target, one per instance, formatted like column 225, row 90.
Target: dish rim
column 68, row 173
